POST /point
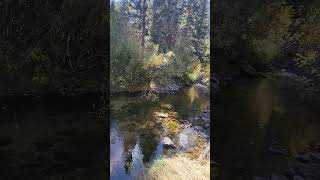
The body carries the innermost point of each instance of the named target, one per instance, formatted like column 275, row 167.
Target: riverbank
column 68, row 86
column 158, row 87
column 179, row 168
column 307, row 86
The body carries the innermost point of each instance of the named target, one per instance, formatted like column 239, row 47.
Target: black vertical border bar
column 107, row 90
column 211, row 89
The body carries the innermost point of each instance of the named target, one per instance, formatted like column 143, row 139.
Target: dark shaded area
column 255, row 116
column 266, row 36
column 52, row 137
column 53, row 64
column 266, row 85
column 53, row 46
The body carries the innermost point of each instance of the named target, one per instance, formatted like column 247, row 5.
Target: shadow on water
column 136, row 134
column 253, row 116
column 51, row 138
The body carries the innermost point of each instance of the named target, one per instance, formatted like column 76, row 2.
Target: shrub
column 265, row 49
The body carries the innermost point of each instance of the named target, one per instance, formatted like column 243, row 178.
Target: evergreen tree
column 165, row 23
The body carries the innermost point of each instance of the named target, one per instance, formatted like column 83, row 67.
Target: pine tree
column 200, row 28
column 165, row 23
column 138, row 14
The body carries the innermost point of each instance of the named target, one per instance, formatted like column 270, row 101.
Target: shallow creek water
column 135, row 140
column 252, row 116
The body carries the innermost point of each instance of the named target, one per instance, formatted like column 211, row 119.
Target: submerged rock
column 187, row 138
column 278, row 177
column 168, row 143
column 308, row 157
column 198, row 128
column 161, row 115
column 315, row 156
column 303, row 157
column 260, row 178
column 298, row 177
column 290, row 172
column 203, row 135
column 206, row 111
column 277, row 150
column 309, row 170
column 202, row 87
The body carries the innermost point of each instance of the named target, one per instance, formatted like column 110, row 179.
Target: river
column 60, row 137
column 250, row 117
column 135, row 140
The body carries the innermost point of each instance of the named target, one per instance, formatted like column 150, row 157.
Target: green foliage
column 41, row 66
column 193, row 72
column 167, row 53
column 309, row 31
column 268, row 28
column 56, row 43
column 265, row 49
column 166, row 16
column 263, row 29
column 127, row 61
column 149, row 96
column 308, row 37
column 309, row 63
column 260, row 32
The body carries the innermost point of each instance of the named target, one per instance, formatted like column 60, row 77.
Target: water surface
column 252, row 116
column 135, row 140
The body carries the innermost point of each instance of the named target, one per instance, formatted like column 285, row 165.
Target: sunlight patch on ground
column 178, row 168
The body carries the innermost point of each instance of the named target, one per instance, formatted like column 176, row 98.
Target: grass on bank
column 178, row 168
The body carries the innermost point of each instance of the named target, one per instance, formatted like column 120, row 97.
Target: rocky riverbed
column 147, row 131
column 306, row 166
column 306, row 86
column 192, row 136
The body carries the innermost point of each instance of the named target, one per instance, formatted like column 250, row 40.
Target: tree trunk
column 143, row 31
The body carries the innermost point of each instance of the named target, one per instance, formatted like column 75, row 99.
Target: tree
column 138, row 14
column 165, row 23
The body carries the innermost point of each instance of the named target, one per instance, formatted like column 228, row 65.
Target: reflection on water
column 192, row 94
column 264, row 101
column 253, row 116
column 116, row 152
column 136, row 135
column 51, row 138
